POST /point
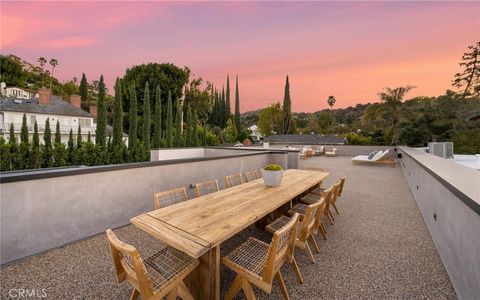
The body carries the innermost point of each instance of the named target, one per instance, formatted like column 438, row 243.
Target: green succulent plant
column 273, row 167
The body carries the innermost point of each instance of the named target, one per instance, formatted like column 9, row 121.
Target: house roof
column 57, row 106
column 306, row 139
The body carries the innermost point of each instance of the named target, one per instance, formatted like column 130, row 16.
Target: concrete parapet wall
column 448, row 196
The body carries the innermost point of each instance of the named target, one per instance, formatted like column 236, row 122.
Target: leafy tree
column 237, row 106
column 169, row 121
column 470, row 77
column 466, row 141
column 178, row 125
column 100, row 133
column 84, row 91
column 146, row 137
column 168, row 77
column 200, row 98
column 36, row 155
column 271, row 119
column 287, row 109
column 393, row 98
column 157, row 134
column 5, row 155
column 118, row 115
column 70, row 149
column 11, row 71
column 69, row 88
column 331, row 101
column 133, row 119
column 47, row 146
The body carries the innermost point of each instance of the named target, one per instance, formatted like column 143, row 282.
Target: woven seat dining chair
column 158, row 276
column 207, row 187
column 339, row 193
column 333, row 191
column 233, row 180
column 164, row 199
column 251, row 175
column 305, row 229
column 257, row 262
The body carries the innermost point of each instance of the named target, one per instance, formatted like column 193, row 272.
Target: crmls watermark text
column 27, row 293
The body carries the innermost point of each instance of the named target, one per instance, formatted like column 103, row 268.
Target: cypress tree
column 36, row 155
column 59, row 153
column 5, row 155
column 287, row 109
column 89, row 139
column 12, row 149
column 24, row 131
column 157, row 134
column 146, row 136
column 178, row 124
column 205, row 134
column 11, row 135
column 227, row 100
column 118, row 115
column 58, row 136
column 79, row 137
column 47, row 145
column 169, row 121
column 84, row 90
column 237, row 106
column 223, row 114
column 132, row 119
column 195, row 130
column 101, row 114
column 70, row 149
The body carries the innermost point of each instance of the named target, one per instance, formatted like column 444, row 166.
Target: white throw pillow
column 378, row 155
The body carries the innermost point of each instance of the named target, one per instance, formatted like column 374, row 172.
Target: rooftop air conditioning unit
column 444, row 150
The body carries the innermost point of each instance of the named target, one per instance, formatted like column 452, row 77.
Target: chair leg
column 183, row 292
column 247, row 288
column 330, row 218
column 315, row 243
column 296, row 269
column 283, row 287
column 235, row 288
column 323, row 230
column 309, row 252
column 336, row 209
column 134, row 294
column 173, row 294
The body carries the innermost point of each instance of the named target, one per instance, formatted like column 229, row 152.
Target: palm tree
column 42, row 61
column 331, row 101
column 53, row 63
column 393, row 98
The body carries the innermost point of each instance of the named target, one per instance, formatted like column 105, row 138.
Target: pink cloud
column 69, row 42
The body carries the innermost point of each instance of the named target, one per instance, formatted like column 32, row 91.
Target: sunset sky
column 347, row 49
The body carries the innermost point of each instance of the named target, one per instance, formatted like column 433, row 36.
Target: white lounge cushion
column 378, row 155
column 361, row 157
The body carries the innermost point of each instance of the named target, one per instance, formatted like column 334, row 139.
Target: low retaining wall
column 448, row 196
column 176, row 153
column 41, row 210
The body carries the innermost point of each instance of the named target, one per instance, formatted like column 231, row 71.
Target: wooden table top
column 196, row 226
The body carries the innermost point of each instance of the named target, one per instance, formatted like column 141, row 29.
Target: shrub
column 273, row 167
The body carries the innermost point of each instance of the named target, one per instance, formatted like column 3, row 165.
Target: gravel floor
column 379, row 248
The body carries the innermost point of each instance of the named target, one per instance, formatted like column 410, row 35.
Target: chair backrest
column 281, row 249
column 164, row 199
column 342, row 182
column 206, row 187
column 251, row 175
column 309, row 221
column 233, row 180
column 259, row 173
column 334, row 193
column 129, row 265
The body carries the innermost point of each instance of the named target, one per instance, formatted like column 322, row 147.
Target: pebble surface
column 378, row 248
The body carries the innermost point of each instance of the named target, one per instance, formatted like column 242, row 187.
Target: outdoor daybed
column 378, row 158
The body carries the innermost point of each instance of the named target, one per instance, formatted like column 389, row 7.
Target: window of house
column 84, row 122
column 33, row 118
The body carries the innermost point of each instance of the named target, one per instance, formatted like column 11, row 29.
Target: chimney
column 75, row 100
column 44, row 96
column 93, row 111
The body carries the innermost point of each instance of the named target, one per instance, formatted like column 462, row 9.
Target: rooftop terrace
column 379, row 247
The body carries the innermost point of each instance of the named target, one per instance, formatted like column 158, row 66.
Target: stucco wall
column 41, row 214
column 453, row 225
column 178, row 153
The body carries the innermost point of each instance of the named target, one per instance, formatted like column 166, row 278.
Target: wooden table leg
column 204, row 281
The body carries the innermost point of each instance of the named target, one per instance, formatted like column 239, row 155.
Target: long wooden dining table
column 199, row 226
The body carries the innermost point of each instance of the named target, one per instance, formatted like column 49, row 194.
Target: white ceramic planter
column 272, row 178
